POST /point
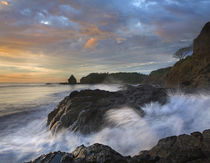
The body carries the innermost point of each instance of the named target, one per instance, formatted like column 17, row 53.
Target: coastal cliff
column 193, row 71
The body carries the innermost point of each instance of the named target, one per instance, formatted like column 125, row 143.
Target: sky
column 48, row 40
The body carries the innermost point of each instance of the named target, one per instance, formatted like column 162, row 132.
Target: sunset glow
column 4, row 3
column 48, row 41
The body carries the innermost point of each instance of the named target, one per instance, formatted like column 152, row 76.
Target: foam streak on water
column 129, row 133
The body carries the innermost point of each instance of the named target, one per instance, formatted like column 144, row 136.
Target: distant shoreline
column 89, row 83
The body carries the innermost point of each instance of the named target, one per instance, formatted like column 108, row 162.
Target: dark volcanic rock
column 96, row 153
column 183, row 148
column 54, row 157
column 84, row 111
column 194, row 148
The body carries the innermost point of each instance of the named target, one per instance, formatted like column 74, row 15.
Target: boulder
column 183, row 148
column 84, row 111
column 96, row 153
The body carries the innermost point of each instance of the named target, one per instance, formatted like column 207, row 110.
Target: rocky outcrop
column 72, row 80
column 193, row 71
column 96, row 153
column 202, row 42
column 84, row 111
column 183, row 148
column 194, row 148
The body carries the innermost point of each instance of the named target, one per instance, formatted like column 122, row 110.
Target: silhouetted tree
column 183, row 52
column 72, row 80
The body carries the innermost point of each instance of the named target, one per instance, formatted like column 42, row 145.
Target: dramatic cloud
column 92, row 42
column 57, row 38
column 4, row 3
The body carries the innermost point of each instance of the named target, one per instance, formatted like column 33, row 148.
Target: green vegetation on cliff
column 157, row 76
column 121, row 77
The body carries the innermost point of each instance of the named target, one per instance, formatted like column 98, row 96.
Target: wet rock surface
column 94, row 153
column 191, row 148
column 84, row 111
column 183, row 148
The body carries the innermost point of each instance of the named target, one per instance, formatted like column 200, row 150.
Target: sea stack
column 72, row 80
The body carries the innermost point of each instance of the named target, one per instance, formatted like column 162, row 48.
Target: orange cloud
column 88, row 29
column 92, row 42
column 4, row 3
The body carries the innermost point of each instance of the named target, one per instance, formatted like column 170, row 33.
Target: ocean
column 23, row 113
column 24, row 134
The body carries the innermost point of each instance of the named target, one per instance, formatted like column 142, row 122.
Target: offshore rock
column 84, row 111
column 72, row 80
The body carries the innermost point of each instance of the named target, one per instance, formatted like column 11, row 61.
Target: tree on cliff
column 183, row 52
column 72, row 80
